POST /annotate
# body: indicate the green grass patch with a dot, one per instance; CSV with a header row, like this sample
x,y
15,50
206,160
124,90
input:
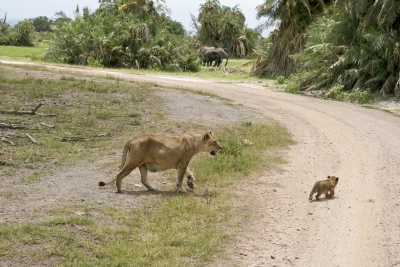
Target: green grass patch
x,y
22,52
72,108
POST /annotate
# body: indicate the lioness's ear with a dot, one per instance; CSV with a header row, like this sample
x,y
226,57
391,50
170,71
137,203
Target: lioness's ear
x,y
207,136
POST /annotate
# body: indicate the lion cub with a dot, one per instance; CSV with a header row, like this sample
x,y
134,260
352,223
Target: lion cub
x,y
326,187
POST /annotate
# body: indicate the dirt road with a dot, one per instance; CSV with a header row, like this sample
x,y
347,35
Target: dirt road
x,y
361,225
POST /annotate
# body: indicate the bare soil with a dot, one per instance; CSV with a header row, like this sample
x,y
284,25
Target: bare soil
x,y
360,226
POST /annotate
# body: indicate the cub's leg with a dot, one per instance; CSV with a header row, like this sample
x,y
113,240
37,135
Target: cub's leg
x,y
312,193
143,176
331,194
190,178
317,196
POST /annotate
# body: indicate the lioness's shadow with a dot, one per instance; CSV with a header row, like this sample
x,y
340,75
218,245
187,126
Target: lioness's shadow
x,y
164,193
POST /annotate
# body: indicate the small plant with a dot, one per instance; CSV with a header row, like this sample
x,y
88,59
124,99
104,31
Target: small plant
x,y
281,79
337,93
93,62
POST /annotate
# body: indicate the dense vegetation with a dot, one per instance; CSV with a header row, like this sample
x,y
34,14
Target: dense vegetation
x,y
131,34
348,47
21,35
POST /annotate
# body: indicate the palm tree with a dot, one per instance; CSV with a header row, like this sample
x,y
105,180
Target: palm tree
x,y
353,47
222,26
293,18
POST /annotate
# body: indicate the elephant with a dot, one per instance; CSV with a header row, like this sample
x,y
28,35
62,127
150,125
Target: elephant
x,y
217,55
204,49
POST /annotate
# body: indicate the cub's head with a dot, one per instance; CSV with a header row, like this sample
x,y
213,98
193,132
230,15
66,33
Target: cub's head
x,y
211,144
334,179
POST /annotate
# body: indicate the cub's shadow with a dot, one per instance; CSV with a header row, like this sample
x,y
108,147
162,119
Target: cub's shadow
x,y
323,199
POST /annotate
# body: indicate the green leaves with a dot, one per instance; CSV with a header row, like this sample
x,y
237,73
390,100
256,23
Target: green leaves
x,y
127,34
354,49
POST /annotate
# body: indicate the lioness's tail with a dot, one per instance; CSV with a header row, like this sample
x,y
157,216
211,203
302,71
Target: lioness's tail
x,y
104,184
124,153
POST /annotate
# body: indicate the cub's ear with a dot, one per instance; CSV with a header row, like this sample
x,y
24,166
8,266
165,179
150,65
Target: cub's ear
x,y
337,179
329,176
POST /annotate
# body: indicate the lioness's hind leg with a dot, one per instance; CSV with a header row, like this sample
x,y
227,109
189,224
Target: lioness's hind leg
x,y
121,175
143,176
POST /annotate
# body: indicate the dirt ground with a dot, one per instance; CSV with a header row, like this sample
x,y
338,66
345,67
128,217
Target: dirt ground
x,y
360,226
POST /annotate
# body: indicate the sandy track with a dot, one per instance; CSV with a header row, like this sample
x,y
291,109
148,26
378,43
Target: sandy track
x,y
361,225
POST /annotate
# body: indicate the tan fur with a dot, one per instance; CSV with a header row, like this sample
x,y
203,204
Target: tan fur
x,y
326,187
159,153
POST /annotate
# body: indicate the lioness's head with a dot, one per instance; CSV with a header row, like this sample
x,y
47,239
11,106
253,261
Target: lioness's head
x,y
211,143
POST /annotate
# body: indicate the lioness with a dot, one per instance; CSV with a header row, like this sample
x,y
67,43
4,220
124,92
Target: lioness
x,y
159,153
326,187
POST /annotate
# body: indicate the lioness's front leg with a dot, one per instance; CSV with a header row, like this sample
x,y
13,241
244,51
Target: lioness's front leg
x,y
180,174
143,176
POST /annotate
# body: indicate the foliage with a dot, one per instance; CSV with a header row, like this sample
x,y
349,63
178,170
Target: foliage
x,y
42,24
127,34
22,35
223,26
356,49
293,18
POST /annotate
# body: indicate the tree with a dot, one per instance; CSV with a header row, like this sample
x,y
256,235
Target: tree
x,y
293,18
126,34
223,26
42,24
25,30
352,50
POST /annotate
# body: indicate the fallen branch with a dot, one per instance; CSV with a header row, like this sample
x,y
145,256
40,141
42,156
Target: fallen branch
x,y
32,139
3,139
76,138
47,125
10,125
23,112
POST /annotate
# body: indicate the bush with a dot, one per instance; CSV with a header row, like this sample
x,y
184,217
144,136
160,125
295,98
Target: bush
x,y
111,38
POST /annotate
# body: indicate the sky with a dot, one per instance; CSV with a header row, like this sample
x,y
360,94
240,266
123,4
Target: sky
x,y
180,9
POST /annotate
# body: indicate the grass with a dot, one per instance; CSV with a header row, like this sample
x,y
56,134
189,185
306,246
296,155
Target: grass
x,y
171,229
22,52
75,108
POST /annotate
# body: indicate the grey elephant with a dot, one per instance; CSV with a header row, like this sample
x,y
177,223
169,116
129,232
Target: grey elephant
x,y
204,49
217,55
